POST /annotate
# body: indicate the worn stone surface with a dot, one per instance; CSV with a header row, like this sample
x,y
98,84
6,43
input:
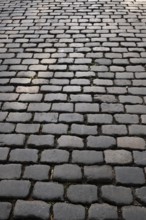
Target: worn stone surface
x,y
64,211
102,211
73,109
31,209
5,209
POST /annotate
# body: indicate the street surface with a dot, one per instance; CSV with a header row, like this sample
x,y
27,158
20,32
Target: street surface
x,y
73,109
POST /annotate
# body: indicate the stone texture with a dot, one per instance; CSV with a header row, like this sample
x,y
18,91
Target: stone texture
x,y
134,212
102,212
48,191
130,175
98,173
117,195
67,172
85,194
31,209
118,157
64,211
5,209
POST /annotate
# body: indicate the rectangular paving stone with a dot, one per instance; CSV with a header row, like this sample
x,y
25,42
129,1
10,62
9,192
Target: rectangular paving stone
x,y
139,158
83,129
70,117
12,140
36,172
48,191
102,211
40,141
14,188
19,117
67,141
100,142
82,107
131,143
99,174
133,212
62,107
126,118
55,128
118,157
99,118
87,157
8,96
117,195
10,171
31,209
54,156
5,209
14,106
67,172
45,117
4,151
137,130
65,211
7,127
130,176
84,194
27,128
114,129
23,155
30,97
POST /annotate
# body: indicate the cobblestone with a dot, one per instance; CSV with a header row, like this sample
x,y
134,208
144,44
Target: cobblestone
x,y
85,194
117,195
67,172
102,211
5,209
130,175
132,212
64,211
36,172
48,191
31,209
14,188
98,173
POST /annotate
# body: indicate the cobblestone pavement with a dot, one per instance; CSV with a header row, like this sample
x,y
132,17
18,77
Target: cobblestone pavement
x,y
73,113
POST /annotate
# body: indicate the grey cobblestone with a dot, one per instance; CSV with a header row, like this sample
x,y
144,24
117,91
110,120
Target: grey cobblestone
x,y
36,172
10,171
67,172
55,156
98,173
117,195
65,211
5,209
118,157
100,142
31,209
40,141
84,194
102,211
140,194
130,175
134,212
48,191
14,188
67,141
87,157
23,155
131,143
